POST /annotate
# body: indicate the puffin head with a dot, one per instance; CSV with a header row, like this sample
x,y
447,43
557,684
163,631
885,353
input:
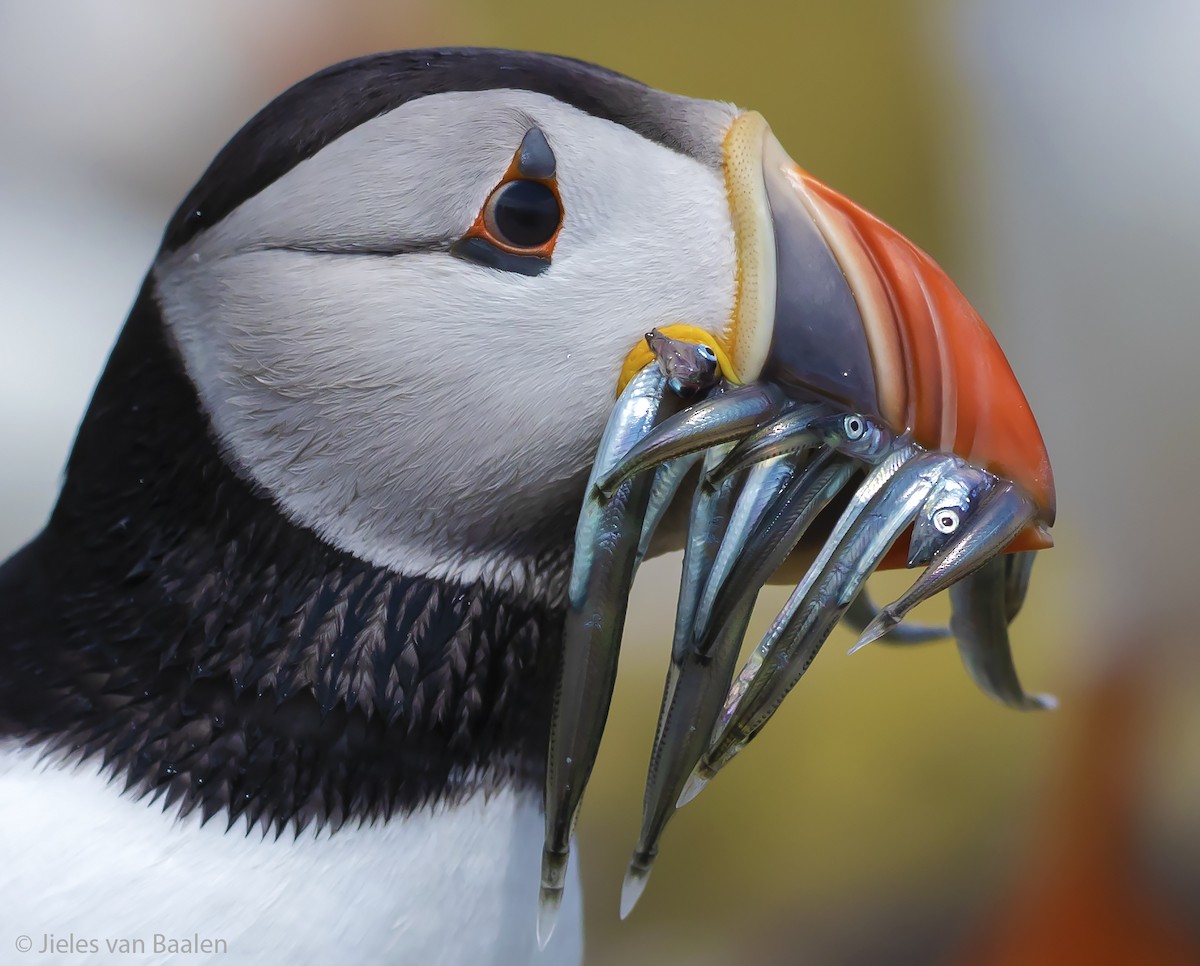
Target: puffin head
x,y
405,293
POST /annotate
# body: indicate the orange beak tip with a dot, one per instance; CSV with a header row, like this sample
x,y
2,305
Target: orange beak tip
x,y
1036,536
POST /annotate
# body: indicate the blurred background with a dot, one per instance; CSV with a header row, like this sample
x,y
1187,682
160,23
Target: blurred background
x,y
1047,155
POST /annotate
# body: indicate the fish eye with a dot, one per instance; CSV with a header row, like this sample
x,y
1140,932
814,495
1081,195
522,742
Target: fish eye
x,y
705,352
523,214
854,427
946,520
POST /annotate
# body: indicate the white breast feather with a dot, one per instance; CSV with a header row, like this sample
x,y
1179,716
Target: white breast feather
x,y
442,887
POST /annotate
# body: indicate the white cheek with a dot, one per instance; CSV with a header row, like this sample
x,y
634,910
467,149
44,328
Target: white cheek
x,y
428,414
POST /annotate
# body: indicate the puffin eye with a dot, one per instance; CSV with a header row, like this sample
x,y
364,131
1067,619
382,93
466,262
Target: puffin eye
x,y
523,214
946,520
519,223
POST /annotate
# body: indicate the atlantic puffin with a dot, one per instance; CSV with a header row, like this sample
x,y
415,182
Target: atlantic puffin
x,y
279,671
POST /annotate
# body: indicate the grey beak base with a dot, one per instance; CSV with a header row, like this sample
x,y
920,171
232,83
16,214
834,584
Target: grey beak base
x,y
819,349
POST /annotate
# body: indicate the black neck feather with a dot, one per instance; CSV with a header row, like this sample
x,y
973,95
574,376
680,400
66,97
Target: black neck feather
x,y
171,622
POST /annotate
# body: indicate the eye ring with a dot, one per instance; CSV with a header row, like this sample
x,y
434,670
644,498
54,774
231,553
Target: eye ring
x,y
946,520
522,216
518,226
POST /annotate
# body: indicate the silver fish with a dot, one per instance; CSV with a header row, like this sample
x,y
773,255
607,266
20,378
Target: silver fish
x,y
695,688
1002,513
764,483
949,505
849,439
692,703
791,432
980,623
862,611
781,529
606,540
709,519
721,417
667,480
856,435
1017,569
877,513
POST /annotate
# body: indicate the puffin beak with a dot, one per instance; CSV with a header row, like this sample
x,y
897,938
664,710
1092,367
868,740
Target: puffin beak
x,y
857,315
853,372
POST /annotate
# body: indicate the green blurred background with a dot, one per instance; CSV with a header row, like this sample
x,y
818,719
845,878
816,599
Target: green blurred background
x,y
890,813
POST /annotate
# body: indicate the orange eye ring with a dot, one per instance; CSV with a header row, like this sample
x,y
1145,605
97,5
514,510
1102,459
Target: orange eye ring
x,y
527,199
533,213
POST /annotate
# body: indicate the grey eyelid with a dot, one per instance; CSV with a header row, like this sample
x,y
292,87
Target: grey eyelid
x,y
482,252
535,159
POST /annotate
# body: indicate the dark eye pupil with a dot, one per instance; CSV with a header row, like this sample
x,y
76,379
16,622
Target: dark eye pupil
x,y
525,214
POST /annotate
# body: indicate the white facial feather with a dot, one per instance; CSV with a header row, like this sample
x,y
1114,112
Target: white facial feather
x,y
423,412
